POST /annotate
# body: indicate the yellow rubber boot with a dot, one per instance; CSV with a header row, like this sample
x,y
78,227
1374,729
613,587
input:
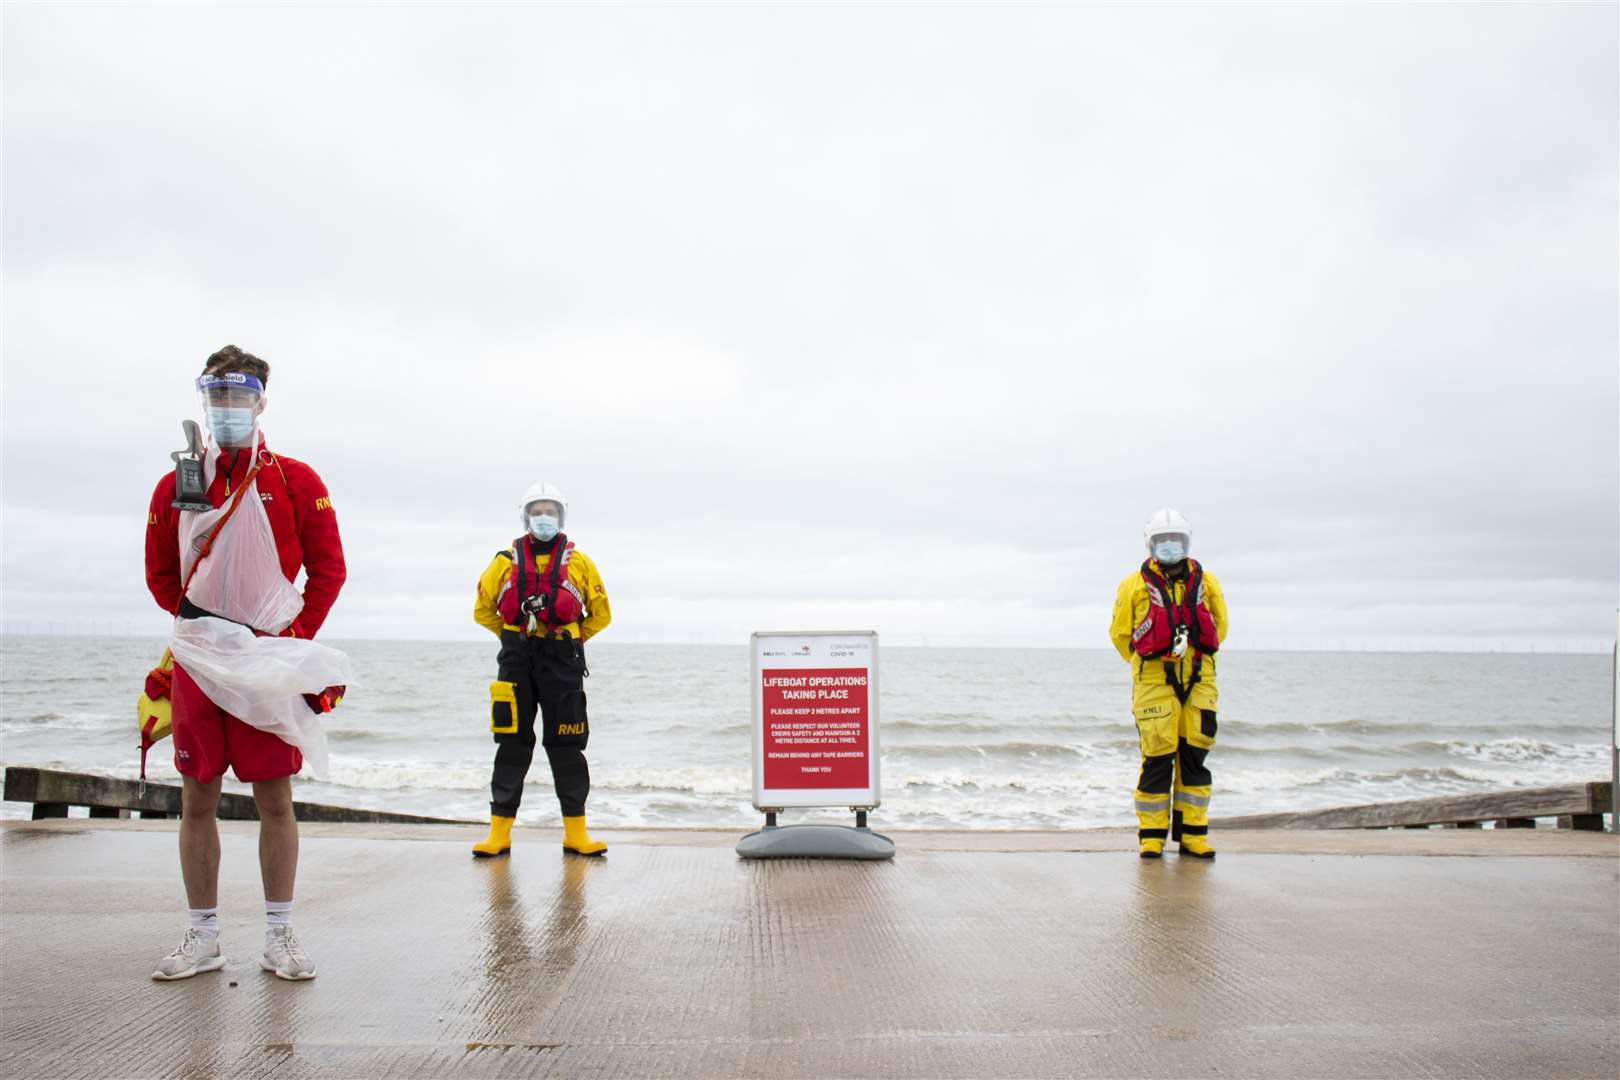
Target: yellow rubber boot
x,y
1152,849
499,840
577,840
1196,846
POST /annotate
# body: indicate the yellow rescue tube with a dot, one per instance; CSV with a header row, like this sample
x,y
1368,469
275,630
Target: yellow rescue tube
x,y
153,719
153,715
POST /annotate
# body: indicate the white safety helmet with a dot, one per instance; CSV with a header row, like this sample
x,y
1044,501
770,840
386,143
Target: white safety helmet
x,y
547,492
1167,522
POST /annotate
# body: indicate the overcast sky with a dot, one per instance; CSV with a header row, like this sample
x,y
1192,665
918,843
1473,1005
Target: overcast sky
x,y
839,316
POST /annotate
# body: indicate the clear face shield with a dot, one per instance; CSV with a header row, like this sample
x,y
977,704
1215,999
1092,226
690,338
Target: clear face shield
x,y
543,518
1169,548
231,404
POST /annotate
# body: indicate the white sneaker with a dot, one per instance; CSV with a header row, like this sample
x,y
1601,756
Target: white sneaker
x,y
284,956
198,952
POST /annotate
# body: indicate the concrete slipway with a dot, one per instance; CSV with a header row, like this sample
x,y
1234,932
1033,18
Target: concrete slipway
x,y
1457,953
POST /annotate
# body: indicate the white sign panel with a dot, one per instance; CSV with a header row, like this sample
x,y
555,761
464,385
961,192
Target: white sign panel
x,y
815,702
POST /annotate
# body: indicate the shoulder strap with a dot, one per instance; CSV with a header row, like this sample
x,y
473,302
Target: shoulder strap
x,y
523,556
559,561
1158,587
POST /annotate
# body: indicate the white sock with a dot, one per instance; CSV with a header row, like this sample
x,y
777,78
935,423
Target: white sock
x,y
205,920
277,913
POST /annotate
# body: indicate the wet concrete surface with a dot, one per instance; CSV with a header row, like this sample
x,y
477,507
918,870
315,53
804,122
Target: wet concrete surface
x,y
671,957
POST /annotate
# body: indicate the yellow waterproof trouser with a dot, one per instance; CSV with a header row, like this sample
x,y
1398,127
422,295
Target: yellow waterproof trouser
x,y
1176,738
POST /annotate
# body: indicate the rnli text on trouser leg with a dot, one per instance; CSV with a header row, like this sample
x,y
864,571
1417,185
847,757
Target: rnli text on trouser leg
x,y
1155,711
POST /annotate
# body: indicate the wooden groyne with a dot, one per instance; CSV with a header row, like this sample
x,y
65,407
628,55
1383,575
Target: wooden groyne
x,y
52,792
1576,806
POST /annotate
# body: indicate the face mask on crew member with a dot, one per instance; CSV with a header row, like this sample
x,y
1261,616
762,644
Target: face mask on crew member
x,y
230,426
1169,550
543,527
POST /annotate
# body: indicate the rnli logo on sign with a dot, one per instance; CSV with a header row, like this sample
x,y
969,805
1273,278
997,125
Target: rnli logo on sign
x,y
802,650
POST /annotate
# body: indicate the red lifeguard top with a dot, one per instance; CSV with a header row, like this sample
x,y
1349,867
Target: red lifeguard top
x,y
301,518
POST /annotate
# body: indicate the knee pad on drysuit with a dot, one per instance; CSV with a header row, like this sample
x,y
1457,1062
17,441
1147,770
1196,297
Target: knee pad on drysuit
x,y
1194,773
1156,774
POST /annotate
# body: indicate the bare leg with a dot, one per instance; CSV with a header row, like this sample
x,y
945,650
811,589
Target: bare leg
x,y
199,841
278,837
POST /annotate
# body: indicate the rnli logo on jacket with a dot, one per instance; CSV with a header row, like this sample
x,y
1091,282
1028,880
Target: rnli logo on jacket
x,y
323,503
570,729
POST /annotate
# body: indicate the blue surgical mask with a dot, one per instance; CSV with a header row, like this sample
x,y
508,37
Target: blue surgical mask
x,y
231,426
1169,552
543,527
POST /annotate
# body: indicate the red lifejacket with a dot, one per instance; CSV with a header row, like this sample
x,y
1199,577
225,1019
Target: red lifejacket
x,y
559,601
1156,634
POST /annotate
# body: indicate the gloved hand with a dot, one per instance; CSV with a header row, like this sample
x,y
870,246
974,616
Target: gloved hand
x,y
326,700
157,683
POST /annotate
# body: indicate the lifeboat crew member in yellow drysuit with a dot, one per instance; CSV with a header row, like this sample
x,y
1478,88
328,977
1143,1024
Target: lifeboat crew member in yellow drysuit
x,y
1169,620
544,600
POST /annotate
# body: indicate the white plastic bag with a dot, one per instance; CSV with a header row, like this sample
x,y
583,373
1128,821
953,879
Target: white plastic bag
x,y
262,680
259,680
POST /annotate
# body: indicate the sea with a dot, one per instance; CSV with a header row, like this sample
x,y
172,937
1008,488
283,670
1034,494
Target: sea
x,y
981,738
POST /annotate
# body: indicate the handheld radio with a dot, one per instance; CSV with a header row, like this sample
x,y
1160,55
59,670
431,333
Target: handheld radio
x,y
190,493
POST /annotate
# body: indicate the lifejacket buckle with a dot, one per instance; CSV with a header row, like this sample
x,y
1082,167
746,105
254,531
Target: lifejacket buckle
x,y
1178,645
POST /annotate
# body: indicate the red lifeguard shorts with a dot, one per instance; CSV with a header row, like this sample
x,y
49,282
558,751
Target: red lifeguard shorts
x,y
207,739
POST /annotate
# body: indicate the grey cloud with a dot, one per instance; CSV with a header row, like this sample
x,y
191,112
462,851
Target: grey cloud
x,y
877,307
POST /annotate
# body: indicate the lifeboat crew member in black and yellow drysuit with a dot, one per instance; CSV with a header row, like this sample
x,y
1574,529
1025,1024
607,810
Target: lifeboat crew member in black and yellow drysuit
x,y
1169,620
544,600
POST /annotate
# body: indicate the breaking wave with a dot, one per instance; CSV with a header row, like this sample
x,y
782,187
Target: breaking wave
x,y
965,744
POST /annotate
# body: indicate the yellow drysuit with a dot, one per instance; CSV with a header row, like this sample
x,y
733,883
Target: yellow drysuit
x,y
1176,735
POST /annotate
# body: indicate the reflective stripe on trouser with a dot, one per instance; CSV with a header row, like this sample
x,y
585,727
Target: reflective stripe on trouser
x,y
1193,787
1192,800
1153,797
1176,739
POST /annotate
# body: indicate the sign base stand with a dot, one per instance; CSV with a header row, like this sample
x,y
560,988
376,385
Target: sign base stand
x,y
816,841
